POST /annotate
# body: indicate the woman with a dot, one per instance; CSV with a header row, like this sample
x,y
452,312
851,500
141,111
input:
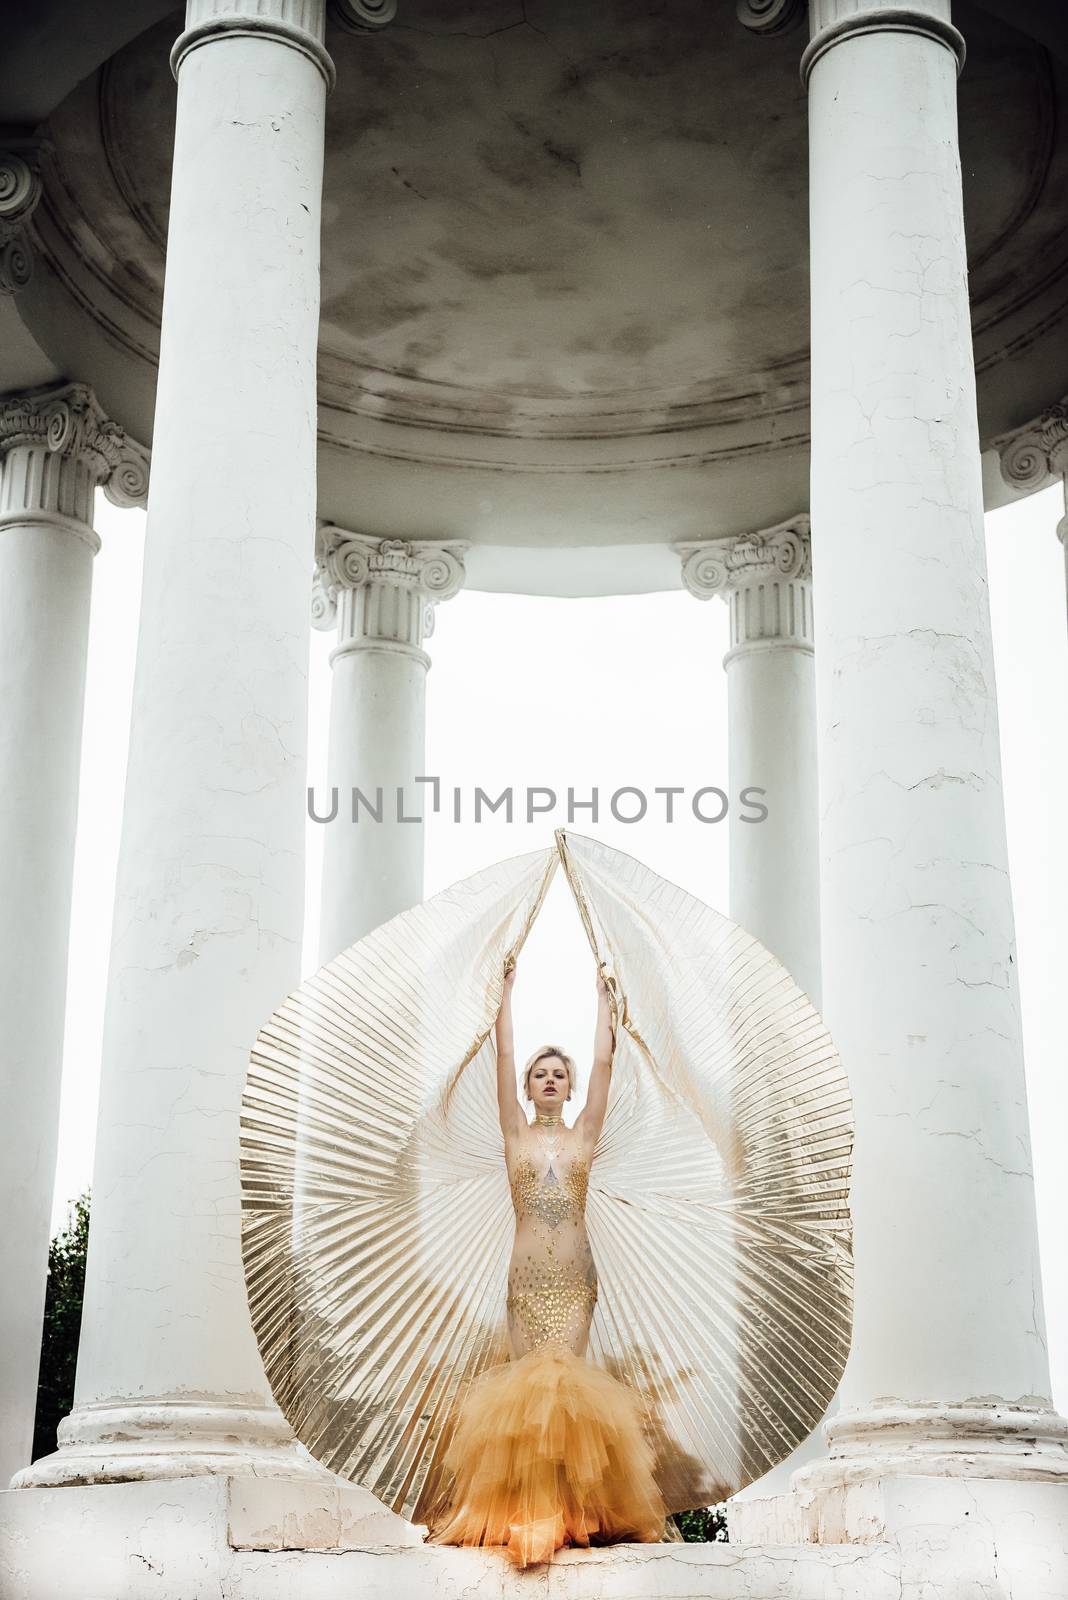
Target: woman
x,y
549,1449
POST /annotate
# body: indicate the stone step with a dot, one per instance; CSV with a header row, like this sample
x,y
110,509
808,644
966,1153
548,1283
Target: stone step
x,y
247,1538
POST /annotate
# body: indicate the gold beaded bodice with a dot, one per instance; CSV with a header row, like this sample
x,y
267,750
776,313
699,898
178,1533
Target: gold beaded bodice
x,y
552,1281
552,1200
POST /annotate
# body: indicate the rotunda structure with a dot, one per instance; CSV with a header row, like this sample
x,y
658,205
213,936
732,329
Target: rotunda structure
x,y
371,301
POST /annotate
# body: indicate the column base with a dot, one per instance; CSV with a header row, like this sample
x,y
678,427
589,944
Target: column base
x,y
125,1443
952,1439
211,1537
896,1467
950,1538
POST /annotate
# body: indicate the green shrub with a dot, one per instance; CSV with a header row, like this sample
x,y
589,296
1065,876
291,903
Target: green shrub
x,y
62,1320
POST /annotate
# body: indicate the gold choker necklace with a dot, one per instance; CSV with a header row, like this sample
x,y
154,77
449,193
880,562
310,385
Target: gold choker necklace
x,y
546,1121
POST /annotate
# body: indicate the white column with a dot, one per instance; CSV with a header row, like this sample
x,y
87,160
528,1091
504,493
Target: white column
x,y
766,580
381,595
210,894
1038,453
56,447
948,1374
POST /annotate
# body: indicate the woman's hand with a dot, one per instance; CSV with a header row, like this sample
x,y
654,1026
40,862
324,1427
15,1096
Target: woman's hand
x,y
603,996
509,977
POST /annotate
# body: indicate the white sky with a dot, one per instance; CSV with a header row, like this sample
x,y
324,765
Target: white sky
x,y
602,693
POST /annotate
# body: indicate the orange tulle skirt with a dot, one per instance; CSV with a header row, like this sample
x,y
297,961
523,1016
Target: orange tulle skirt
x,y
548,1450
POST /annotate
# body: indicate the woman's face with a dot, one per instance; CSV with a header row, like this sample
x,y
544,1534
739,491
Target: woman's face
x,y
548,1084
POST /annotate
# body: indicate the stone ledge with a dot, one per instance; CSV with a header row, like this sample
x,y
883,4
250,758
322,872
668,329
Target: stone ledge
x,y
248,1538
301,1514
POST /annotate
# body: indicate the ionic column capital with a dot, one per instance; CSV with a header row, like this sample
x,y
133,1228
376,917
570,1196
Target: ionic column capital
x,y
764,578
833,21
298,24
68,420
1038,451
20,190
363,16
770,16
711,566
56,446
381,593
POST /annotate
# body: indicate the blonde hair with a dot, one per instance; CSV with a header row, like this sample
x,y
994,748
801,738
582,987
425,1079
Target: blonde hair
x,y
540,1055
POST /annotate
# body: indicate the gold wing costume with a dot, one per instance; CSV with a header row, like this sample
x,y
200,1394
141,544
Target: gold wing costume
x,y
377,1217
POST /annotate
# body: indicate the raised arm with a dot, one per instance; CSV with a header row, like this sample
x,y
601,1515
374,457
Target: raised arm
x,y
511,1112
590,1118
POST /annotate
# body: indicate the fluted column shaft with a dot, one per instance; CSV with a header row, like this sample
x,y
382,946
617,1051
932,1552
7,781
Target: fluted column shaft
x,y
56,446
210,891
949,1369
765,578
381,595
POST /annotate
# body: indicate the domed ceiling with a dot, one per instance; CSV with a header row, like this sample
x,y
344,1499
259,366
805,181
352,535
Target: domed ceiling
x,y
564,261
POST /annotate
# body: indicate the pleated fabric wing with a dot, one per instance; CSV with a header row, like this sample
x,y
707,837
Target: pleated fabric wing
x,y
376,1216
718,1210
377,1220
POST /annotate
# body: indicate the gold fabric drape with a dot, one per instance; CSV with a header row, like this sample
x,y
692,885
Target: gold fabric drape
x,y
377,1220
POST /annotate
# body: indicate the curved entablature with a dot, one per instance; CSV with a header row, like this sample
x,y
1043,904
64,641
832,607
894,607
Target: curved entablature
x,y
564,283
